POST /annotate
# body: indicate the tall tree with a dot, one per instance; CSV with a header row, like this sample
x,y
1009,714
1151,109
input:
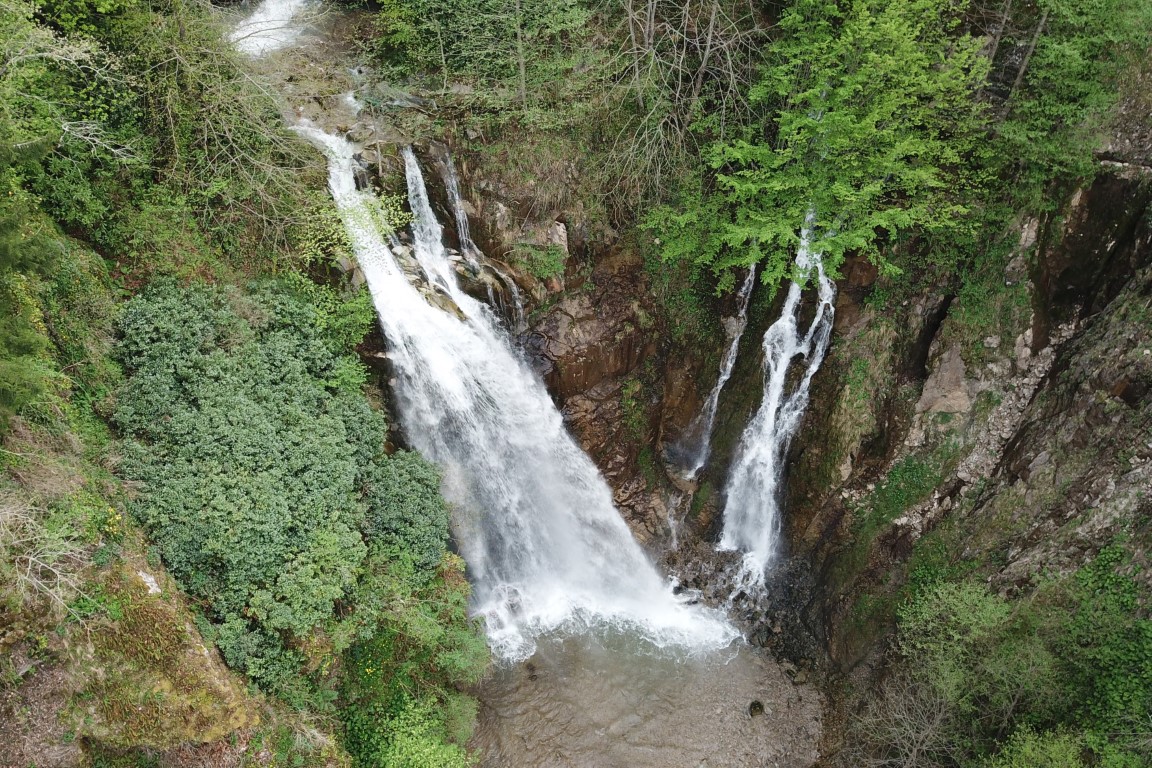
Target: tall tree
x,y
874,106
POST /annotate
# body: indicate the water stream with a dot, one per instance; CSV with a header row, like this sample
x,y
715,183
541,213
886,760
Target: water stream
x,y
469,249
752,518
275,24
696,446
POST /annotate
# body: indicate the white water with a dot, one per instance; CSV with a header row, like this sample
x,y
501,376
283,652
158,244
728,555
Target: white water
x,y
545,548
452,186
468,248
272,26
696,447
752,511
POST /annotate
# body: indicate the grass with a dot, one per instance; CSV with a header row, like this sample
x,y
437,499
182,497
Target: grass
x,y
910,481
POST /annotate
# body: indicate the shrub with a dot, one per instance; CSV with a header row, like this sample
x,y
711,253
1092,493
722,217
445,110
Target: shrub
x,y
1028,749
253,464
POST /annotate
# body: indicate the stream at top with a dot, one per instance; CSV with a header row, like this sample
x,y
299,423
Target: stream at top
x,y
603,661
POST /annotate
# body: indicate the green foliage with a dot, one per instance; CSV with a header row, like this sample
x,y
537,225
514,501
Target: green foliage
x,y
526,46
1107,646
1065,672
414,739
873,108
86,16
254,460
634,408
138,129
909,481
947,630
405,510
542,262
1051,122
1028,749
684,292
399,693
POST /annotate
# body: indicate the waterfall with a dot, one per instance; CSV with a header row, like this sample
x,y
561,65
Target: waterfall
x,y
546,550
468,248
752,510
270,27
452,186
694,449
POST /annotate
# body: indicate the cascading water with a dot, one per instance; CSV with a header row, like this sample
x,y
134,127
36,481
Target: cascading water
x,y
752,510
545,548
694,449
469,249
272,26
456,202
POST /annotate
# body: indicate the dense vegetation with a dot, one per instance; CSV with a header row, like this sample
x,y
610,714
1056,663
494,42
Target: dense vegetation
x,y
138,156
909,130
1060,677
265,487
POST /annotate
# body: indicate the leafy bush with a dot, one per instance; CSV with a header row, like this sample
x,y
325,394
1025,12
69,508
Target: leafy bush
x,y
399,695
1028,749
541,262
1049,679
1104,641
405,510
260,471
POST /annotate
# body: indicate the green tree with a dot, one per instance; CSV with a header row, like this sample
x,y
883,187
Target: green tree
x,y
1060,92
871,109
872,99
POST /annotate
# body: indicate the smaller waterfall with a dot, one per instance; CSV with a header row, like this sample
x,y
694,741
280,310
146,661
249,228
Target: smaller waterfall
x,y
696,446
470,251
752,511
426,230
272,26
452,186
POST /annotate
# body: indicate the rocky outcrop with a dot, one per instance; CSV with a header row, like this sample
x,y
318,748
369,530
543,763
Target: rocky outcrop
x,y
1034,420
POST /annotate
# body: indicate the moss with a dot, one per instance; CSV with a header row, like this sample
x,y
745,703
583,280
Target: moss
x,y
151,682
851,410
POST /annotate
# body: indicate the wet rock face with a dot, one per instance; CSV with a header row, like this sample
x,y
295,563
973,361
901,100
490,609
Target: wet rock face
x,y
1040,429
589,338
591,346
1090,252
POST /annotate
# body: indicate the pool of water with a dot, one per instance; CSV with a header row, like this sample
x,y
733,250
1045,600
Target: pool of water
x,y
608,703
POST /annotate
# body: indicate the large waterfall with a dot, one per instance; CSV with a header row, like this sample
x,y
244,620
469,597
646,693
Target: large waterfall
x,y
752,510
696,445
545,548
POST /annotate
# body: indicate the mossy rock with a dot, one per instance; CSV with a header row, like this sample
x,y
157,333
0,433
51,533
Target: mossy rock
x,y
150,680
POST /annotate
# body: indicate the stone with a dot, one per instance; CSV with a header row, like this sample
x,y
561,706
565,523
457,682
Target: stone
x,y
149,581
558,236
946,390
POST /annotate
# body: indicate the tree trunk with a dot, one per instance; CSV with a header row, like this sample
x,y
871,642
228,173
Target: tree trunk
x,y
1024,64
520,54
1004,14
